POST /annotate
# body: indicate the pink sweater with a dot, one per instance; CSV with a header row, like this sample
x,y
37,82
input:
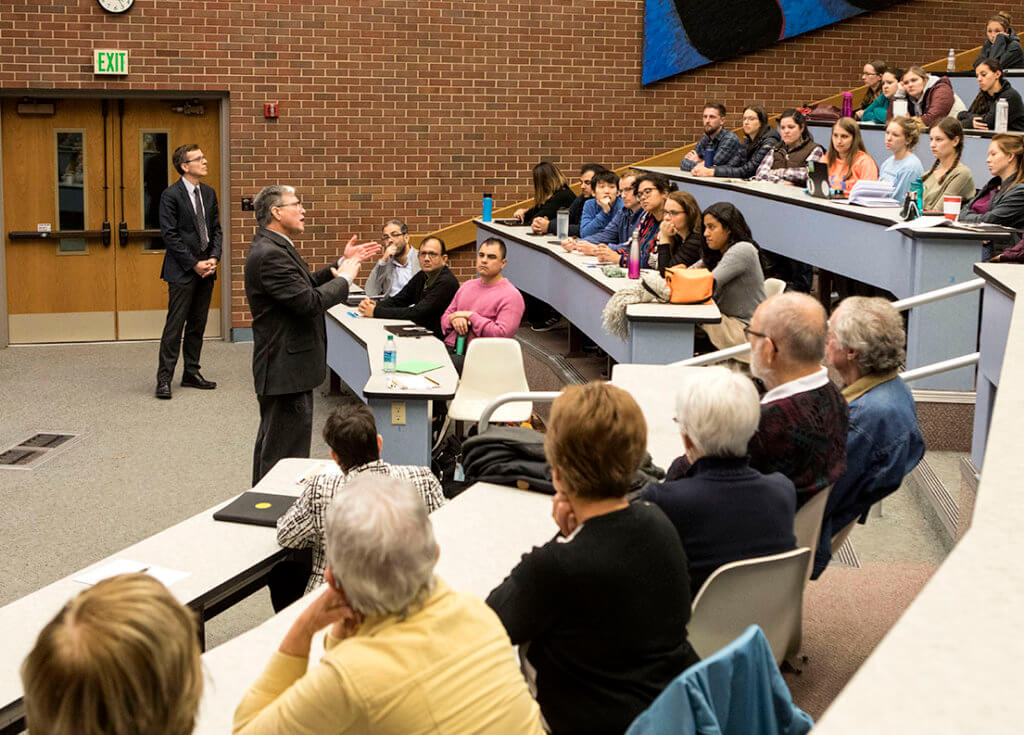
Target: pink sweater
x,y
497,310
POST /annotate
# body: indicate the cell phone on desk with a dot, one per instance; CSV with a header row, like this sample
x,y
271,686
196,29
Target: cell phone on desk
x,y
510,222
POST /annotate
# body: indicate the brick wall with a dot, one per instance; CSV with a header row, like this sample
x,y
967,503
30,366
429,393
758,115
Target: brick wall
x,y
414,109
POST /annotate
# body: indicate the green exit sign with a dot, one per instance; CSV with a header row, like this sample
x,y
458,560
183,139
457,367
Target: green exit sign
x,y
107,61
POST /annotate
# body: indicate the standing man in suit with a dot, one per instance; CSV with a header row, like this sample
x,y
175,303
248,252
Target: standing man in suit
x,y
287,302
190,225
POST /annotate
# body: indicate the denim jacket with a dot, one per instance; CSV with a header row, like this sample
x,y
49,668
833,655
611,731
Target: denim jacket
x,y
882,446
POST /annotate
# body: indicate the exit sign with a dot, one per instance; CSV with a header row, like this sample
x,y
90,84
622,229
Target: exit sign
x,y
107,61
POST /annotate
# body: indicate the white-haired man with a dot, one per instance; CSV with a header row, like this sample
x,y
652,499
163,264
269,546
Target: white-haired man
x,y
723,509
404,652
865,349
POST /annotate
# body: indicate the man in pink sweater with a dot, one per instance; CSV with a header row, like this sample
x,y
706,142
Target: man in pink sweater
x,y
488,306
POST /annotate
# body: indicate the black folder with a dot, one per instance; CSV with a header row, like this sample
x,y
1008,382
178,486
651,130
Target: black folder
x,y
256,509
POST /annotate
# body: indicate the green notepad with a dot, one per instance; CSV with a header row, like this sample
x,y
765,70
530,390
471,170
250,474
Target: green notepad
x,y
415,367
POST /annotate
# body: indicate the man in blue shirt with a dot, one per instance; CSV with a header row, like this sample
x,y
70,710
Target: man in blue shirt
x,y
865,350
623,222
718,147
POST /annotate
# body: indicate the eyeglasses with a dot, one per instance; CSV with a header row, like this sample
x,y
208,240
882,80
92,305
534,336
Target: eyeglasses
x,y
643,194
428,254
674,212
193,160
747,332
289,204
393,237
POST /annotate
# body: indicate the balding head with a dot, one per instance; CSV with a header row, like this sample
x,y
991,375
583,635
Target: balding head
x,y
795,329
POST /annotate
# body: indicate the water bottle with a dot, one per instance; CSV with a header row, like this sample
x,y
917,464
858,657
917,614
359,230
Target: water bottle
x,y
390,354
847,104
488,207
951,61
917,189
899,106
562,226
1002,115
634,255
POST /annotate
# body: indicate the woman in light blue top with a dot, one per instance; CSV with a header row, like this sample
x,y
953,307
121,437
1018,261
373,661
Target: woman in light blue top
x,y
902,168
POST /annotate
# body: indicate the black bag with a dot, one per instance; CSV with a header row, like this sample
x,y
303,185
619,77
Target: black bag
x,y
443,462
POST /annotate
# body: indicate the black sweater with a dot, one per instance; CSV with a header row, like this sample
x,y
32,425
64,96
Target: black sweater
x,y
561,198
1015,118
605,614
680,252
424,306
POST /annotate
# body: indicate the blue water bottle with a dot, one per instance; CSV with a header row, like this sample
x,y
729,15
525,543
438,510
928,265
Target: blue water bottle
x,y
488,207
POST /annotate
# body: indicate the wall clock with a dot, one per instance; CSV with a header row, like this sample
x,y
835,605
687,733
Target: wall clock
x,y
116,6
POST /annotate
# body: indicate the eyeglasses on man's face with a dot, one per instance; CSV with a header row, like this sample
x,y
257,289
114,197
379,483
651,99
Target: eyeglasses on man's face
x,y
289,204
193,160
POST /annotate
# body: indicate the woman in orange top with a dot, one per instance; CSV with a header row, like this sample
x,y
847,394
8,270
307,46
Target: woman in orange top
x,y
848,159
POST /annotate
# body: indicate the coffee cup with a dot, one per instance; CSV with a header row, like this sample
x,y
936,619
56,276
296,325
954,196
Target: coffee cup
x,y
951,207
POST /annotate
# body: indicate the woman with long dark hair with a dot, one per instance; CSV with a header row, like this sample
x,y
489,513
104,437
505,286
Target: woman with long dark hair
x,y
787,162
872,76
992,87
948,175
848,159
759,138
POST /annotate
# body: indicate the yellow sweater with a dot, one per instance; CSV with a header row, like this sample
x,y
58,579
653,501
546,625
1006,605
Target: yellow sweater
x,y
447,668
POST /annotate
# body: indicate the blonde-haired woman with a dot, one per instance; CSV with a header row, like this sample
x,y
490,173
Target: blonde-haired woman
x,y
902,168
121,658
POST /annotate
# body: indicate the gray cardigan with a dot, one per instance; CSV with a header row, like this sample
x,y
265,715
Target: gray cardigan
x,y
739,281
378,283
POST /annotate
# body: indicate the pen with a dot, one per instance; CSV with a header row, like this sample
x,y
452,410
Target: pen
x,y
352,313
433,381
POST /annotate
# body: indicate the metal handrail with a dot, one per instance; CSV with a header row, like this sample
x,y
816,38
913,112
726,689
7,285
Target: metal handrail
x,y
539,396
926,371
910,302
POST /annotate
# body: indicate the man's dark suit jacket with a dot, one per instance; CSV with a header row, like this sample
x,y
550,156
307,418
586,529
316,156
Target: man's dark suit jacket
x,y
181,238
287,304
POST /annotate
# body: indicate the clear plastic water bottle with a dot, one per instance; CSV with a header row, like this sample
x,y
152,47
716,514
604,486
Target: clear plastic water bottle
x,y
488,208
390,354
562,224
899,106
847,104
1002,115
634,256
951,60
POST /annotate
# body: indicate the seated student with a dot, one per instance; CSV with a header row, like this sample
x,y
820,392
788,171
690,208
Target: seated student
x,y
948,175
426,296
880,109
488,306
848,159
351,433
719,147
621,226
551,192
587,173
787,162
1001,43
600,210
902,168
733,258
681,234
872,76
723,509
1001,200
758,139
404,653
398,263
884,443
652,191
929,96
804,418
992,87
601,609
121,658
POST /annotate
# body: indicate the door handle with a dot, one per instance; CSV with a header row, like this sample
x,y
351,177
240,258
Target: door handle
x,y
122,234
141,233
54,235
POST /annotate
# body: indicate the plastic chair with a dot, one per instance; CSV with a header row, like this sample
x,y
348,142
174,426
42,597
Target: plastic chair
x,y
807,523
493,366
767,591
840,538
773,286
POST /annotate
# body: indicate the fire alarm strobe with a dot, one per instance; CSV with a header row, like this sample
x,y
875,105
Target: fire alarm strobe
x,y
270,110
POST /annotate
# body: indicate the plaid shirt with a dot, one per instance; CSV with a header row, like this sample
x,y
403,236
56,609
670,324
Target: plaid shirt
x,y
303,525
729,151
796,175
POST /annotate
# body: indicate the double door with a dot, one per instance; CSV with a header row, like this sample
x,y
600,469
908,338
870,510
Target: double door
x,y
82,180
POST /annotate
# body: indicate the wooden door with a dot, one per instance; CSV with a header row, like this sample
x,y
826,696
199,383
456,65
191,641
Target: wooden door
x,y
59,288
82,184
148,133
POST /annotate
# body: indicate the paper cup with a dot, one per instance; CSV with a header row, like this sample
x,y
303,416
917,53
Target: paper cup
x,y
951,207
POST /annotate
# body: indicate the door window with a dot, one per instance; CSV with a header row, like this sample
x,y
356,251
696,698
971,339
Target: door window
x,y
71,189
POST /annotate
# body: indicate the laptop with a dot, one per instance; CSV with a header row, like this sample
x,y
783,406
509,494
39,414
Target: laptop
x,y
255,509
817,182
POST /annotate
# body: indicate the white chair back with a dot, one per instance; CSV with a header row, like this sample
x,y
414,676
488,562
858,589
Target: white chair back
x,y
494,365
807,524
767,590
773,286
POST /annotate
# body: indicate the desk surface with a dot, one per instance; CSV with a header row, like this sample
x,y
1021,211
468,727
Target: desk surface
x,y
373,335
482,534
212,552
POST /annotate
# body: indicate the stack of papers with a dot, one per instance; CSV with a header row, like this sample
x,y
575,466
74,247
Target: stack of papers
x,y
872,194
126,566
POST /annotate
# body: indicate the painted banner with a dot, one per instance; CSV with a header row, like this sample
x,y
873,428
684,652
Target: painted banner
x,y
684,34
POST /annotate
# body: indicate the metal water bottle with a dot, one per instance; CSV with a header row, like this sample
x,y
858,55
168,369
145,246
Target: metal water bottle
x,y
634,255
951,61
847,104
1002,115
488,208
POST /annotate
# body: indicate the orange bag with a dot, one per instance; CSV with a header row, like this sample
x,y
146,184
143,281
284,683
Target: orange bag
x,y
689,285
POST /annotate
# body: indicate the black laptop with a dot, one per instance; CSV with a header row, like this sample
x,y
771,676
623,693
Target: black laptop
x,y
256,509
817,181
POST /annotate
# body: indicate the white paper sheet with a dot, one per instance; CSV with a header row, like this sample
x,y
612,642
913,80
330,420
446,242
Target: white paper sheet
x,y
127,566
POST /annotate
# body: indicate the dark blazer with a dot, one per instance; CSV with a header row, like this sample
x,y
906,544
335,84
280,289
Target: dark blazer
x,y
181,238
419,304
287,304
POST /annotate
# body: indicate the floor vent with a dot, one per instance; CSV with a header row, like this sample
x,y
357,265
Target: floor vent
x,y
846,556
36,449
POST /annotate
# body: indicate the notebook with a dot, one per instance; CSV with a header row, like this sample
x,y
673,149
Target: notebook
x,y
415,367
256,509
